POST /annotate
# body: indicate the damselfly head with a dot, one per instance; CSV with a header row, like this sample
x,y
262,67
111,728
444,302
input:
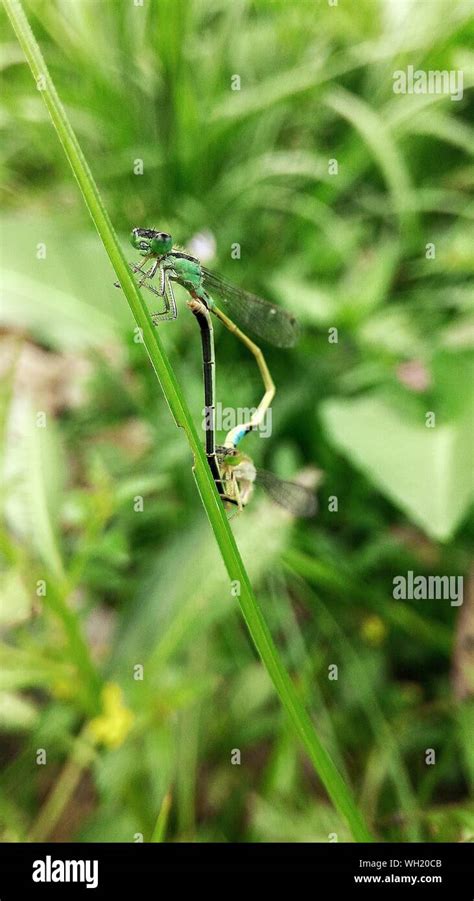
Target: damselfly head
x,y
227,454
237,474
161,243
232,457
149,241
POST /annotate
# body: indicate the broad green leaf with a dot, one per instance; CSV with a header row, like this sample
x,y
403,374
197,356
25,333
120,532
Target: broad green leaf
x,y
59,318
44,292
16,713
426,472
34,475
15,601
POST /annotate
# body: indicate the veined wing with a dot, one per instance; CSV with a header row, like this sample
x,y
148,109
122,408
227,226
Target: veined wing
x,y
261,317
293,497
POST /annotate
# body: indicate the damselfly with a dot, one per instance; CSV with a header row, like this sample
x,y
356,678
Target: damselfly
x,y
264,319
234,472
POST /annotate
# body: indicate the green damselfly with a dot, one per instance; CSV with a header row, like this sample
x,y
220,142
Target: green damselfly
x,y
263,319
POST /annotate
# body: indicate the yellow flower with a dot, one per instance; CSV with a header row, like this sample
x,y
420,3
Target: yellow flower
x,y
113,725
374,630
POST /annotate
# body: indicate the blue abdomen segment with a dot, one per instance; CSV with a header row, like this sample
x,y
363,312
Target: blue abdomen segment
x,y
239,434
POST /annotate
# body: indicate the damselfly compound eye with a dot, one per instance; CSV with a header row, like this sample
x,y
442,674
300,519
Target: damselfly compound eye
x,y
161,243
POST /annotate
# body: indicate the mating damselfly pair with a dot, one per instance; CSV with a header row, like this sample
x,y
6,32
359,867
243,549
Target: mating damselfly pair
x,y
234,472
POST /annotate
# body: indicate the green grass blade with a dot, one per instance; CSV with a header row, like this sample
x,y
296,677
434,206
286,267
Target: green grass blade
x,y
159,831
336,788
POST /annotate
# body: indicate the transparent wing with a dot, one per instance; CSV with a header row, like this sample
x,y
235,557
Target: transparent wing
x,y
293,497
261,317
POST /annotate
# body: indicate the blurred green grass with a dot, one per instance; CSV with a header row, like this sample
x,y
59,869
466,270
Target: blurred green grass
x,y
343,251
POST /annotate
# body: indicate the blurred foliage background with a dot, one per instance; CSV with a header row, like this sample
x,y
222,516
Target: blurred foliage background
x,y
92,587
